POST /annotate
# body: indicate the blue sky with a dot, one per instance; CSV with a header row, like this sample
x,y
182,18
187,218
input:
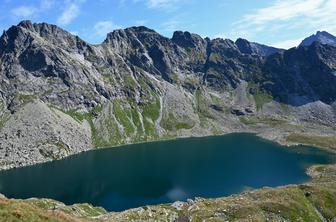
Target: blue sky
x,y
281,23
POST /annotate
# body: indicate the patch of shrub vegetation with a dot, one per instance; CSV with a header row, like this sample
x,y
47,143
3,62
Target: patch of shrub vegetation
x,y
261,97
171,123
248,121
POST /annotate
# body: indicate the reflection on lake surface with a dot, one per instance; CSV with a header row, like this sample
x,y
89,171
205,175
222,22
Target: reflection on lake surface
x,y
160,172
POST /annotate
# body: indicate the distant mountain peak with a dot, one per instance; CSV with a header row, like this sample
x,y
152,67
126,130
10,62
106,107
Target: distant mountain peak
x,y
128,32
323,33
255,48
23,35
322,37
43,29
26,24
186,39
141,29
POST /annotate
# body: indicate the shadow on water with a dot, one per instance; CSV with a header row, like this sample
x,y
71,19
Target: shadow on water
x,y
161,172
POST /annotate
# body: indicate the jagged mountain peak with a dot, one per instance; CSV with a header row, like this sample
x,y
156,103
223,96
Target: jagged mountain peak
x,y
26,24
321,36
248,47
134,31
323,33
27,32
187,39
42,28
141,29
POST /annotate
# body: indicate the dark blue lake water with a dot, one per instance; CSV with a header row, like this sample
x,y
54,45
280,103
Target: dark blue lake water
x,y
160,172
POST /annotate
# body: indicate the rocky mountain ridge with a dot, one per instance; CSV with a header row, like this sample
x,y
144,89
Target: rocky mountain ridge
x,y
320,36
255,48
140,86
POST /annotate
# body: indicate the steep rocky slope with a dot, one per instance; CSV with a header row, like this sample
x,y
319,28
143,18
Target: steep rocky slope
x,y
139,86
314,201
37,131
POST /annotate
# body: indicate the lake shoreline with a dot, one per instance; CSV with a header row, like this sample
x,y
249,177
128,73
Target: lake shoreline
x,y
276,135
290,197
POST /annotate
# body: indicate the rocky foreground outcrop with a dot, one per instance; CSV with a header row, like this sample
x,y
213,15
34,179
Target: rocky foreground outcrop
x,y
60,95
313,201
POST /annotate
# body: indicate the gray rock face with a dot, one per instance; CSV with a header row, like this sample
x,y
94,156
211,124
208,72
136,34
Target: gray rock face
x,y
305,71
321,37
140,86
255,48
37,133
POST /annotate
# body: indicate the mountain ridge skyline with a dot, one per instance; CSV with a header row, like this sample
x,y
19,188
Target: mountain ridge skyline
x,y
144,27
282,24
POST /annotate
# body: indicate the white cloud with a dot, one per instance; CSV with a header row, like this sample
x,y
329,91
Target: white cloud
x,y
101,28
283,17
46,4
171,25
69,14
284,10
168,5
29,11
24,11
175,23
161,3
287,43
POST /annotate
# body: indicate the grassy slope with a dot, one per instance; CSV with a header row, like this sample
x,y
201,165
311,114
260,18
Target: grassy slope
x,y
320,141
13,211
